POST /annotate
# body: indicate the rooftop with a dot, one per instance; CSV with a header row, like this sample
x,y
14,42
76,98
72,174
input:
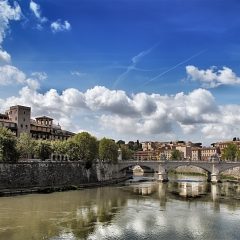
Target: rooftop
x,y
44,117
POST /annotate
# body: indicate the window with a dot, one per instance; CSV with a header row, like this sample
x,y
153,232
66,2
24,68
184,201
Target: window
x,y
26,126
15,118
24,112
24,119
21,126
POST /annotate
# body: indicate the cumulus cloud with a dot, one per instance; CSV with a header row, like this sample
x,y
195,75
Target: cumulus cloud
x,y
4,56
220,131
7,13
40,75
10,75
139,114
213,77
196,107
36,9
59,26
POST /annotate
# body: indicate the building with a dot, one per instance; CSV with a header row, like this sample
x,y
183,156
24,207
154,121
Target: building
x,y
196,154
146,156
18,120
165,152
223,145
186,150
148,146
5,122
208,152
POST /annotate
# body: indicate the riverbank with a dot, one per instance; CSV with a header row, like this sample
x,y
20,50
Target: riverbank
x,y
45,177
51,189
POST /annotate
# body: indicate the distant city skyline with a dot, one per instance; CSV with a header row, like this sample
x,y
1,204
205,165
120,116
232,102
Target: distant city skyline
x,y
147,70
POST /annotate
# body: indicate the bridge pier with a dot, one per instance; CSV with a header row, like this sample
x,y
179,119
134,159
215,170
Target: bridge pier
x,y
162,174
215,177
162,177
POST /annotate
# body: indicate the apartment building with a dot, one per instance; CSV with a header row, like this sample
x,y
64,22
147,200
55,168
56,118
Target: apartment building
x,y
186,150
224,144
148,146
18,120
144,155
208,152
196,154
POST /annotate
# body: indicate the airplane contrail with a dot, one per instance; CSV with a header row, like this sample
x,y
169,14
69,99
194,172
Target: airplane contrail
x,y
133,64
174,67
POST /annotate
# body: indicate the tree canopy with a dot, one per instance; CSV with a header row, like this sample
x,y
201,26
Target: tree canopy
x,y
25,146
108,150
176,155
231,152
83,146
126,153
43,149
8,152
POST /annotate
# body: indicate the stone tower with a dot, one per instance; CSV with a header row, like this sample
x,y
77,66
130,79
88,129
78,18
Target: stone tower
x,y
21,115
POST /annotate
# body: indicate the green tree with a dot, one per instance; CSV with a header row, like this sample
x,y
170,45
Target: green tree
x,y
120,143
131,145
176,155
25,146
83,146
126,153
59,147
43,149
108,150
8,151
231,152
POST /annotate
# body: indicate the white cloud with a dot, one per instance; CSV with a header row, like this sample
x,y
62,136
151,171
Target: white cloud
x,y
4,56
10,75
220,131
59,26
35,8
116,113
40,75
78,74
213,77
7,13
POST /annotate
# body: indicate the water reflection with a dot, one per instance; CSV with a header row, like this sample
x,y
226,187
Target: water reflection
x,y
174,210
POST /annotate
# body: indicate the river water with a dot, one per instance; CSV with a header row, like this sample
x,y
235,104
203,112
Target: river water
x,y
184,208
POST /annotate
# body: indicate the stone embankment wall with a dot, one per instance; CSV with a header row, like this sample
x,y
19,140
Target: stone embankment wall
x,y
49,174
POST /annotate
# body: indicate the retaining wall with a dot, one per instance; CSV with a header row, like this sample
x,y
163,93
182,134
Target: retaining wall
x,y
43,174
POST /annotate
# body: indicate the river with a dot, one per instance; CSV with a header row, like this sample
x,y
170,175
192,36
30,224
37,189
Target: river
x,y
183,208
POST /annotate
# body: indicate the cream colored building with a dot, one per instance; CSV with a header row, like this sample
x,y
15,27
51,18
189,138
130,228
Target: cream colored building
x,y
186,150
148,146
208,152
196,154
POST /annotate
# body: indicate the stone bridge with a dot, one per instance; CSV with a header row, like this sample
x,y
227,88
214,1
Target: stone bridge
x,y
213,168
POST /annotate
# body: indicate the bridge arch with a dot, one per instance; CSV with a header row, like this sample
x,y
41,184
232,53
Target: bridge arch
x,y
228,166
144,166
206,168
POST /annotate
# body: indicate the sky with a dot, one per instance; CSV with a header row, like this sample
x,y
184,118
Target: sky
x,y
156,70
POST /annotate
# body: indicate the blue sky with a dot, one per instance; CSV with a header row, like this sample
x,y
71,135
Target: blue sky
x,y
163,47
